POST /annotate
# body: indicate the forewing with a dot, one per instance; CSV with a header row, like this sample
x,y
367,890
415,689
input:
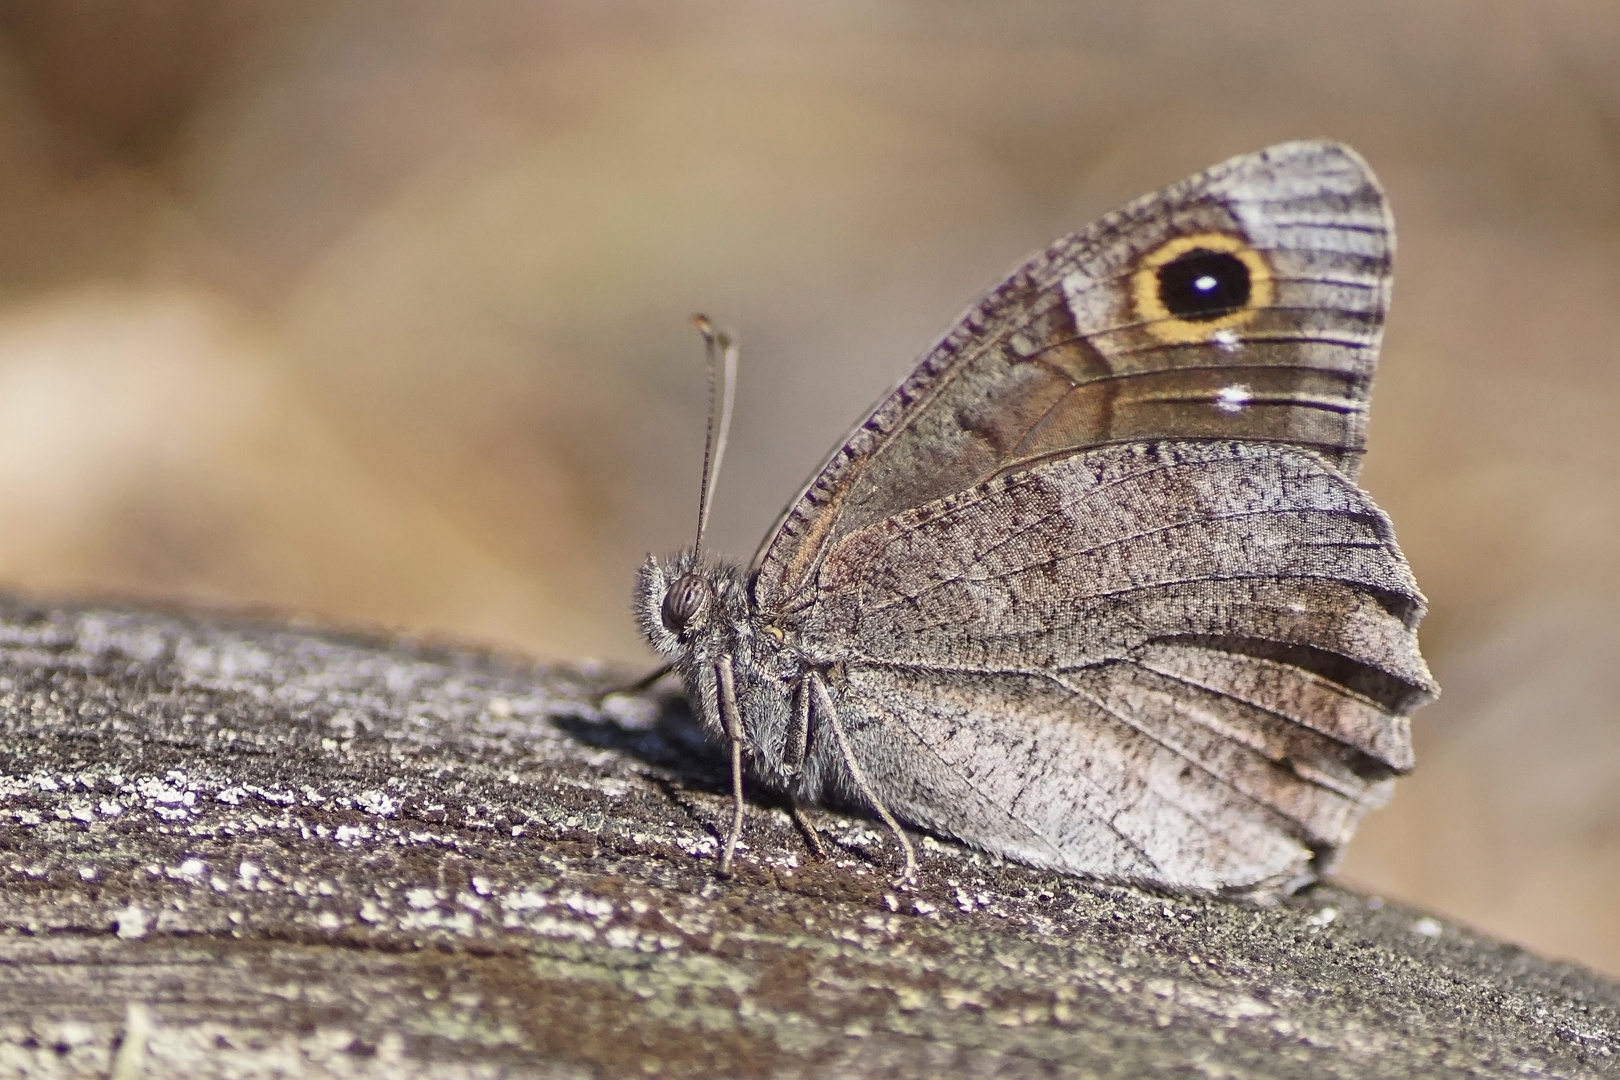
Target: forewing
x,y
1206,651
1107,338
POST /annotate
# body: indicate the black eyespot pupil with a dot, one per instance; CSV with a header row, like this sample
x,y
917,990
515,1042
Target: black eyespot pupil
x,y
1202,285
683,601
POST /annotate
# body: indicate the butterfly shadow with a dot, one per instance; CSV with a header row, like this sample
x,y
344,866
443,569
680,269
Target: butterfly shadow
x,y
682,761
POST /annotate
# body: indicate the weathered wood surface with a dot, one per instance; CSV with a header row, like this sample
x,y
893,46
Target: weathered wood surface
x,y
245,850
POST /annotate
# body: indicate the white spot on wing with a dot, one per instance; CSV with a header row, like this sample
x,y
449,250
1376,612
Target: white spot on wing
x,y
1233,398
1225,340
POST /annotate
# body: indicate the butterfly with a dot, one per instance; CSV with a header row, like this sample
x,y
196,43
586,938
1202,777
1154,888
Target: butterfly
x,y
1094,588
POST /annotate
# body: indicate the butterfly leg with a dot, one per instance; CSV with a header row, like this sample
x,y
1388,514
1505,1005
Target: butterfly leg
x,y
807,828
826,711
640,686
731,722
797,744
794,749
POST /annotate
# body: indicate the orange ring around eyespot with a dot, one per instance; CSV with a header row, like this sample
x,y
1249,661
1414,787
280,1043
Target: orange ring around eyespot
x,y
1164,325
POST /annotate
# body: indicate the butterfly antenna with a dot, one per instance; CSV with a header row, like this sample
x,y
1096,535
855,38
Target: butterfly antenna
x,y
722,352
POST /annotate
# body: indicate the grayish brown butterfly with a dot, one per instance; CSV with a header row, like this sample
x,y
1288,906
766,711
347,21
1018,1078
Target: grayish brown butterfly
x,y
1094,588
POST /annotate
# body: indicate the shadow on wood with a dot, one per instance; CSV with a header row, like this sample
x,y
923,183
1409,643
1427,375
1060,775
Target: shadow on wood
x,y
244,849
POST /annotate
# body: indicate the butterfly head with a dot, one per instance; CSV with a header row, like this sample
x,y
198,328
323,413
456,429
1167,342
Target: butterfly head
x,y
687,605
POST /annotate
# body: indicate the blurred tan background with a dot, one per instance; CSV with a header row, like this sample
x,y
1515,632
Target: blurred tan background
x,y
377,311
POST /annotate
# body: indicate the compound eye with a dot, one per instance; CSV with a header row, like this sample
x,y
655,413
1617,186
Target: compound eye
x,y
684,602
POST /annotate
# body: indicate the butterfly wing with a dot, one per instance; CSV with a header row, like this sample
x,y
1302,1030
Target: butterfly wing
x,y
1094,586
1179,662
1244,303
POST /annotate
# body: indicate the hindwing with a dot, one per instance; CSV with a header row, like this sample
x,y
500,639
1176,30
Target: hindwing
x,y
1180,662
